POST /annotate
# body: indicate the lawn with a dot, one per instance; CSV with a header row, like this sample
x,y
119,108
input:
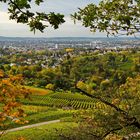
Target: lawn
x,y
45,132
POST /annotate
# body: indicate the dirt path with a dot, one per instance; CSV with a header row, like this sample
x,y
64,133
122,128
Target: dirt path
x,y
29,126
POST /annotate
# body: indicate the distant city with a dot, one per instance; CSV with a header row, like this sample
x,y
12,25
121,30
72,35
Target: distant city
x,y
68,42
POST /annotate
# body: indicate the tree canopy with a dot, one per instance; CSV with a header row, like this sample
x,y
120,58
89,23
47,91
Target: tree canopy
x,y
111,16
11,90
21,11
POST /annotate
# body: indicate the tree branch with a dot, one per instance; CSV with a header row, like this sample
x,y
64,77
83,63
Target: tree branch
x,y
113,130
17,7
103,101
129,119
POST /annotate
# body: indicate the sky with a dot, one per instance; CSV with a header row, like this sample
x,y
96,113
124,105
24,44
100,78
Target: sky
x,y
10,28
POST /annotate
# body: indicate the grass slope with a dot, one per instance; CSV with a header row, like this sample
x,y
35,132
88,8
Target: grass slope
x,y
46,132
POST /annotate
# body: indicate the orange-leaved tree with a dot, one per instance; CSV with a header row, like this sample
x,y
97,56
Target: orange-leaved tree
x,y
11,90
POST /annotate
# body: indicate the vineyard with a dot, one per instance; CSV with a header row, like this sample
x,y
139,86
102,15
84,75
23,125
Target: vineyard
x,y
40,108
64,100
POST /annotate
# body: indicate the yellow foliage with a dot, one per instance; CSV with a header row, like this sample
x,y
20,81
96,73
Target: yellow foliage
x,y
1,73
38,91
69,50
129,94
96,79
10,90
81,85
114,137
89,89
21,138
86,87
50,86
116,101
105,83
131,87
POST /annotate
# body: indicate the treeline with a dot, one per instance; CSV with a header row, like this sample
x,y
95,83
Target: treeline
x,y
100,70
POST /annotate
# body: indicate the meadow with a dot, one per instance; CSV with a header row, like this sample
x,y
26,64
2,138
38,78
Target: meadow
x,y
46,132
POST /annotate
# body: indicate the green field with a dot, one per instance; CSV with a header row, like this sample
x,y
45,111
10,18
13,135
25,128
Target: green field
x,y
46,132
40,114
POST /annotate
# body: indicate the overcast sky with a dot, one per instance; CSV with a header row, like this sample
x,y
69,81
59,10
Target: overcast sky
x,y
68,29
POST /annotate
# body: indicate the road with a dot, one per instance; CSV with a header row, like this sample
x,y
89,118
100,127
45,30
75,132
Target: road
x,y
29,126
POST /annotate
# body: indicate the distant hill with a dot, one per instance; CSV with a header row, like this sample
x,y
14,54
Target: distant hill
x,y
65,39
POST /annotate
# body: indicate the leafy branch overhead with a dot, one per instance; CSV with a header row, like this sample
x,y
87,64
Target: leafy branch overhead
x,y
20,10
111,16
